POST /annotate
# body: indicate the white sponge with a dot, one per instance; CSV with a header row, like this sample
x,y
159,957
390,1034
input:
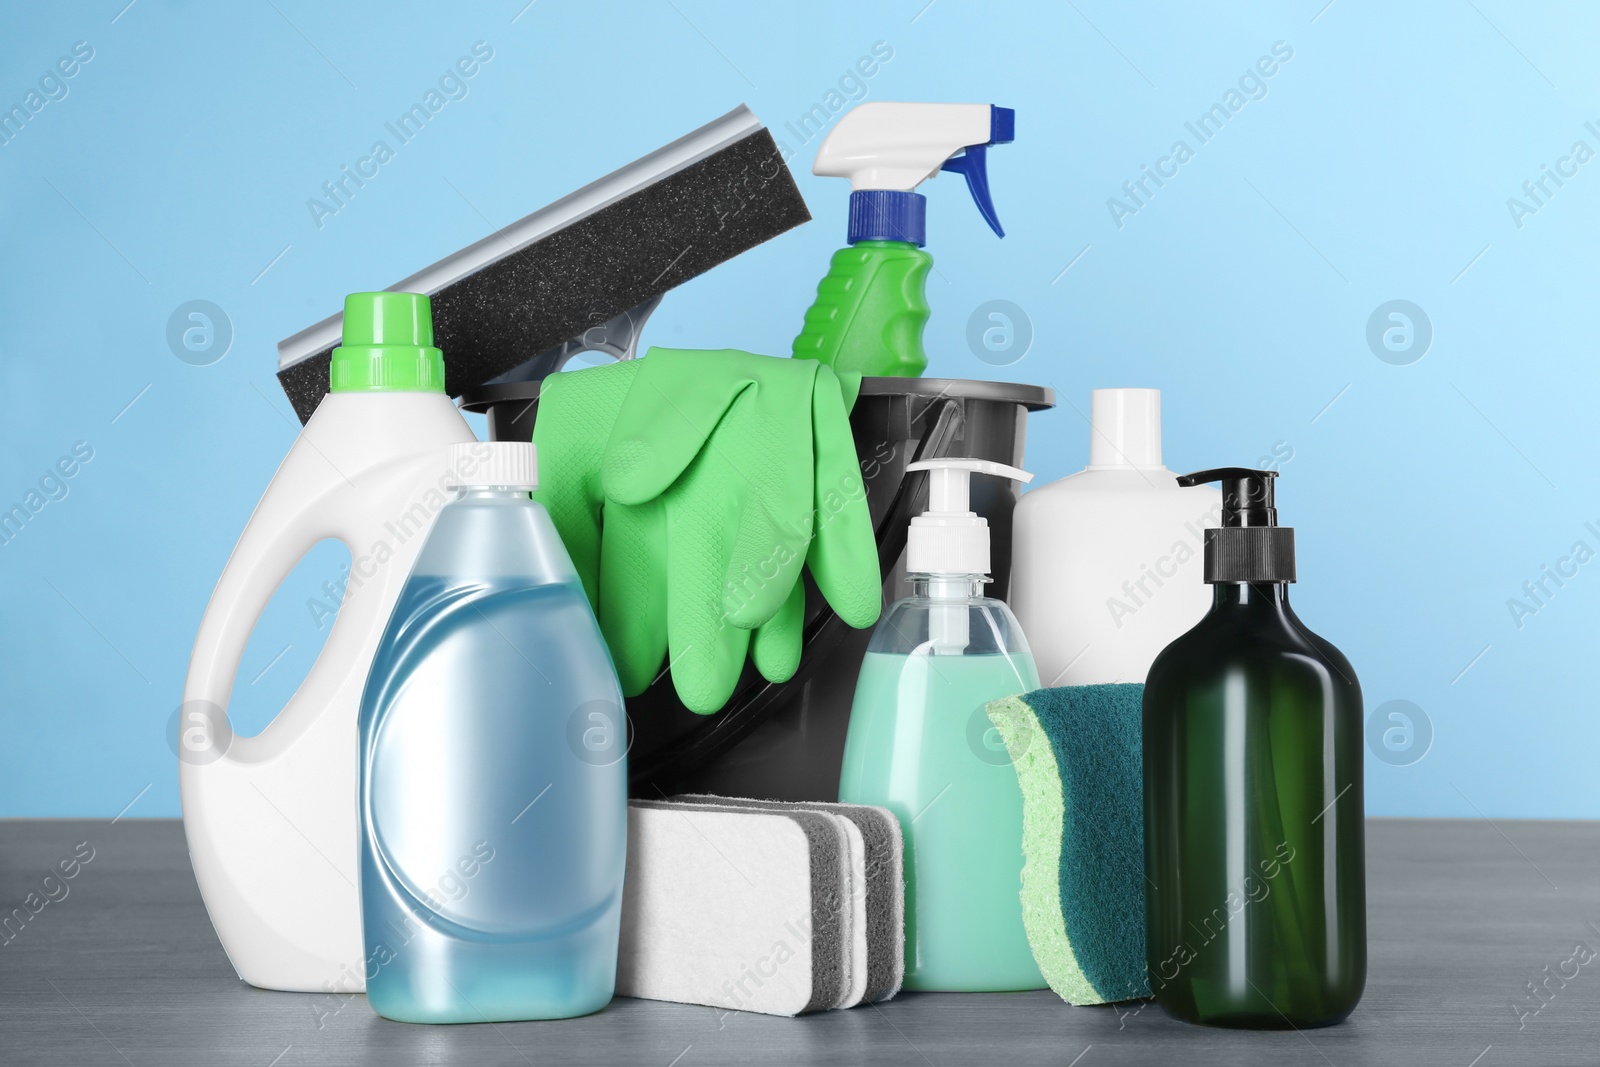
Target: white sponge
x,y
759,906
879,895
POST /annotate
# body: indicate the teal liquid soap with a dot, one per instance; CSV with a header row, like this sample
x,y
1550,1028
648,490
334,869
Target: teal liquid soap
x,y
920,744
493,781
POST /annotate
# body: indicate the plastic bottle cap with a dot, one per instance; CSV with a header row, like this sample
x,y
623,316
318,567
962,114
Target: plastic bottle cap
x,y
387,346
888,215
512,464
949,538
1125,428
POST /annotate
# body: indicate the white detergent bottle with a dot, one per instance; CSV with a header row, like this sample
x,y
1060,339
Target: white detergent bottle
x,y
271,819
1106,563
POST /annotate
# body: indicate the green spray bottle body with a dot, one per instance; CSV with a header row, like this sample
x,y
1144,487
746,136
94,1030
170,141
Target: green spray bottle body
x,y
872,304
870,311
1254,810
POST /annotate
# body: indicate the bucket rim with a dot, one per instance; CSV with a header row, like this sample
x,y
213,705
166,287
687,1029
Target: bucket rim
x,y
1033,397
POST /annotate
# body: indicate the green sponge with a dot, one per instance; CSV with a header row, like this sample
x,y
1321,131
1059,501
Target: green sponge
x,y
1076,750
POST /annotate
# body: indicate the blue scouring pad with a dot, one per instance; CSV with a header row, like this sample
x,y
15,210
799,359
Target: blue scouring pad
x,y
1076,750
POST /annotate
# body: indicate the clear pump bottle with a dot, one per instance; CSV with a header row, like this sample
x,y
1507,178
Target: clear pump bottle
x,y
920,743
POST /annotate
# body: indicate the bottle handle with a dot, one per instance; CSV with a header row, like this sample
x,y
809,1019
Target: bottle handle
x,y
308,500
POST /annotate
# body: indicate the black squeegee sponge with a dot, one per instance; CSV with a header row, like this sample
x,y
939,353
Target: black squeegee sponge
x,y
597,267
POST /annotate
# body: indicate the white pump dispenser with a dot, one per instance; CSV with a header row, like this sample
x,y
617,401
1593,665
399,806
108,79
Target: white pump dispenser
x,y
949,543
950,538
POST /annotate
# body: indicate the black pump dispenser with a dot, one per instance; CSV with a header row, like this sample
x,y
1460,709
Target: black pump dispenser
x,y
1253,747
1250,546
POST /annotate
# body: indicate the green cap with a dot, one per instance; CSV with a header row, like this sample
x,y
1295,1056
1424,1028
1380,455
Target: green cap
x,y
387,346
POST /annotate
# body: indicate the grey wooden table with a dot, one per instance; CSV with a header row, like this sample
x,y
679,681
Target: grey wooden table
x,y
125,969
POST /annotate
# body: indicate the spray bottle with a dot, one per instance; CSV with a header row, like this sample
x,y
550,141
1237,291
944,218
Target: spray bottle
x,y
872,305
919,744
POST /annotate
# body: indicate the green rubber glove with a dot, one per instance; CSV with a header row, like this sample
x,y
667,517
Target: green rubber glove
x,y
689,488
753,461
616,549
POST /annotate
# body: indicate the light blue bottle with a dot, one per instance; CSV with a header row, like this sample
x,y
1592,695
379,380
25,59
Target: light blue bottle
x,y
493,788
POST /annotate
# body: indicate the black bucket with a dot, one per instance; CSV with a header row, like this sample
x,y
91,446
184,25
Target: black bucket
x,y
785,740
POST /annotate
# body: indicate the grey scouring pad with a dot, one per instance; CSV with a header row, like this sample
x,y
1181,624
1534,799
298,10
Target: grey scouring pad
x,y
591,256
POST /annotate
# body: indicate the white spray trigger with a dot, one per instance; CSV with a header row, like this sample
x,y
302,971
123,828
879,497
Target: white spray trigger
x,y
888,149
883,145
949,538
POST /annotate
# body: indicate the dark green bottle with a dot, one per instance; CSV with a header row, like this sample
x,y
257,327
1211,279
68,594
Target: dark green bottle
x,y
1254,846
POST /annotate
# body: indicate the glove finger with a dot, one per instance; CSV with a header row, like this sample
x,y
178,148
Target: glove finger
x,y
675,404
633,591
765,564
767,438
844,553
707,653
775,646
706,663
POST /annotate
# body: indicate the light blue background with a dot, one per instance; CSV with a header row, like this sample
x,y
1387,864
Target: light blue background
x,y
1377,166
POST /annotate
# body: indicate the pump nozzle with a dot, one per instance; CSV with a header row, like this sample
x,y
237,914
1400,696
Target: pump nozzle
x,y
888,149
1247,497
949,538
1250,546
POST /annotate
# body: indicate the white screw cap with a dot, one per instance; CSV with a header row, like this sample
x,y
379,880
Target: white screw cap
x,y
514,464
1125,428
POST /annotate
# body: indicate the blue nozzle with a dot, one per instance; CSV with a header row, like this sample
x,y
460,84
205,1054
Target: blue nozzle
x,y
972,163
1002,124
